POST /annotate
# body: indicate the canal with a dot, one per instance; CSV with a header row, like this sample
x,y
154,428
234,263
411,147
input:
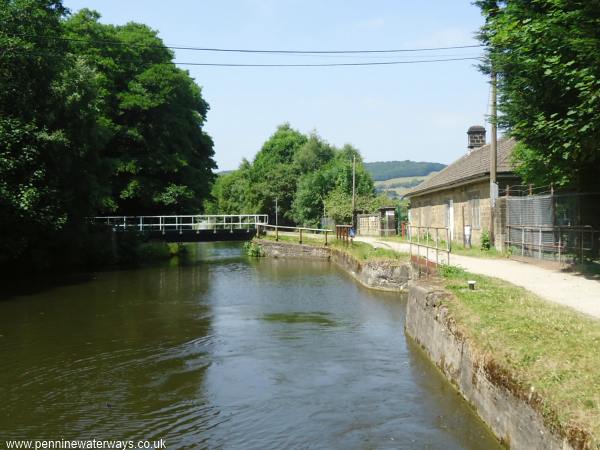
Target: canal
x,y
224,351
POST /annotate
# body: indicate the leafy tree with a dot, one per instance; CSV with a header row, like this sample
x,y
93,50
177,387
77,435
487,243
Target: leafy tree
x,y
160,159
300,171
48,130
232,193
338,205
93,118
547,56
313,154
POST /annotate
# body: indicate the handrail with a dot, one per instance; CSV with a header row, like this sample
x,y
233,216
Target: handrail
x,y
299,230
296,228
184,215
179,223
419,243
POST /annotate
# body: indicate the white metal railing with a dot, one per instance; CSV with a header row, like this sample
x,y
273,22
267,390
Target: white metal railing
x,y
429,242
182,223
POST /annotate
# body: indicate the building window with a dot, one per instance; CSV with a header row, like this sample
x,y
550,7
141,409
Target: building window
x,y
475,210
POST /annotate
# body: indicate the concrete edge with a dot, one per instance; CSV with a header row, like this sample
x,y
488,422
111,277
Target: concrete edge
x,y
480,381
371,275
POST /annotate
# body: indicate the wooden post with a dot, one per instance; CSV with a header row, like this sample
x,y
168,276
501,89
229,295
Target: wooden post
x,y
326,238
301,235
276,233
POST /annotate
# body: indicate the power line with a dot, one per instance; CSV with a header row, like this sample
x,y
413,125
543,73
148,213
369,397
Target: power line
x,y
244,50
371,63
31,53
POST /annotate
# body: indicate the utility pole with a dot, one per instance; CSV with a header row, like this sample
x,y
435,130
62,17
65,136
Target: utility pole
x,y
493,157
353,189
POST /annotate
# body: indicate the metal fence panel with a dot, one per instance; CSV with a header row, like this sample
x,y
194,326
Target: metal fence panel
x,y
561,227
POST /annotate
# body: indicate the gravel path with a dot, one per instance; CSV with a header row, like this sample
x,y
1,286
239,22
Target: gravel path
x,y
575,291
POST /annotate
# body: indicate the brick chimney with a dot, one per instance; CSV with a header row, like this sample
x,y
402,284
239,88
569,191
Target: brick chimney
x,y
476,136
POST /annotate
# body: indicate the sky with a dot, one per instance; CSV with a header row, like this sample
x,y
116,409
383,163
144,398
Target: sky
x,y
393,112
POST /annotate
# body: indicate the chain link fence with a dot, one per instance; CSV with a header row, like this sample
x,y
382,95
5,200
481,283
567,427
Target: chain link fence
x,y
556,227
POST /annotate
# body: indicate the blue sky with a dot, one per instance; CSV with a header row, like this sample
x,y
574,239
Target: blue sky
x,y
418,111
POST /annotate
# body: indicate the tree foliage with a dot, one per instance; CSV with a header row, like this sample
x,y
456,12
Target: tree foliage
x,y
93,118
547,56
160,160
304,173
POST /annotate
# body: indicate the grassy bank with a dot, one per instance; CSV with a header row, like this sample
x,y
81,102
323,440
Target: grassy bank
x,y
546,354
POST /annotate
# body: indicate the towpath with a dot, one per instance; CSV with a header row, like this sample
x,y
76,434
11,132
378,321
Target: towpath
x,y
575,291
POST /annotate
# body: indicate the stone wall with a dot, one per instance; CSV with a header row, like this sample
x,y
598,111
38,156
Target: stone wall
x,y
482,383
289,250
431,210
382,275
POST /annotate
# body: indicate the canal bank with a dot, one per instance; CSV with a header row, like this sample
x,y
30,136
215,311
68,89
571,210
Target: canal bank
x,y
528,368
383,274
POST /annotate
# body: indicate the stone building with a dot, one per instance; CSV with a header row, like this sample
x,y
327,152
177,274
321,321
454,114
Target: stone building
x,y
459,195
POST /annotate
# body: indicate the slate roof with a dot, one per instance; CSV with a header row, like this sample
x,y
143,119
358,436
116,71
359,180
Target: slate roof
x,y
471,166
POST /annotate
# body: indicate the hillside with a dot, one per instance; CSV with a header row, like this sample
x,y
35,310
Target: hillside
x,y
397,187
386,170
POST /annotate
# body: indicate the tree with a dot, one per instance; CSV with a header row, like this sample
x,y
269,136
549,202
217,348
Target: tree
x,y
300,171
48,130
160,159
339,205
547,56
93,118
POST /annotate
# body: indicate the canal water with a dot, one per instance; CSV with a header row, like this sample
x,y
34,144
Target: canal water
x,y
224,351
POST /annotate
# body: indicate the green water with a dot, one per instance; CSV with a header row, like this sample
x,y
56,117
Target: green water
x,y
224,351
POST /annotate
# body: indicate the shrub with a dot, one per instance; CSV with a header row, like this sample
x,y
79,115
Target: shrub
x,y
486,242
253,249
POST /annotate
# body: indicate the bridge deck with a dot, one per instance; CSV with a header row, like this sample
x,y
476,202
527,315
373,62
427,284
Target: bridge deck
x,y
189,228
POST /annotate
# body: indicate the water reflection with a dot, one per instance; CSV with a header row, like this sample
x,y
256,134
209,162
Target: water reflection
x,y
222,351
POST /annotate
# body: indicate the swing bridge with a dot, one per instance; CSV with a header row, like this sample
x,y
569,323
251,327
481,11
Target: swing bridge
x,y
189,228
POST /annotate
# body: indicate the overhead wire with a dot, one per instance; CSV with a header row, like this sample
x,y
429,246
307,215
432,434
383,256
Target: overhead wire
x,y
370,63
245,50
371,54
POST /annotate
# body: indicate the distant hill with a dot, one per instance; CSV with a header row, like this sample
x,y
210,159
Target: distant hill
x,y
386,170
396,187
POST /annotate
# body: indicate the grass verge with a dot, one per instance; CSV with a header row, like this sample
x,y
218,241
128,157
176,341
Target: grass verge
x,y
546,354
360,250
457,249
477,252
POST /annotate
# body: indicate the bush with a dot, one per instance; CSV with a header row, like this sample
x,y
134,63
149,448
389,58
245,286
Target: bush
x,y
253,249
486,242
